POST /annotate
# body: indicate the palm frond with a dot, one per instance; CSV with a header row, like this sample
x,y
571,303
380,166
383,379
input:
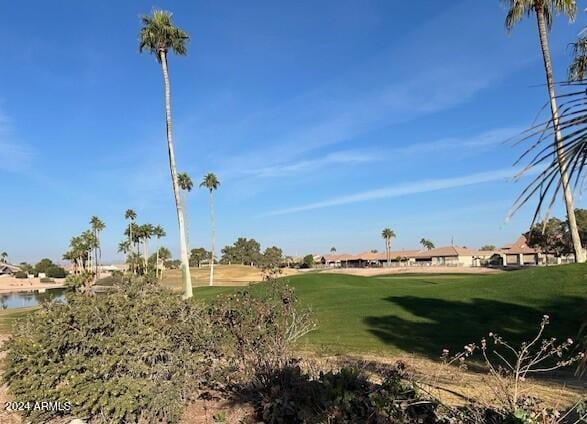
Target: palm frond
x,y
544,156
578,67
159,34
210,181
518,8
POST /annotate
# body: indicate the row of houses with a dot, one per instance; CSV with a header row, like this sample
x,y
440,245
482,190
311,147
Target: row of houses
x,y
517,253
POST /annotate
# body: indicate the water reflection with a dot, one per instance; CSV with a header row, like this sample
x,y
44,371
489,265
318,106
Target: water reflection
x,y
30,298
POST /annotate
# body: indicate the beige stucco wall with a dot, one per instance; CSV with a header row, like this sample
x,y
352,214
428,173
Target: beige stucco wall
x,y
466,260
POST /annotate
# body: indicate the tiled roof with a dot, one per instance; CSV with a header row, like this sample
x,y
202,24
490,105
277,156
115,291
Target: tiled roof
x,y
520,246
11,268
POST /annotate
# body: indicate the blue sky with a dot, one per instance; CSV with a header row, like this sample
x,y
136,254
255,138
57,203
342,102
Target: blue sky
x,y
325,121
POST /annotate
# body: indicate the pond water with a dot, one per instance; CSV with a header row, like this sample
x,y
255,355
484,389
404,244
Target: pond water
x,y
27,299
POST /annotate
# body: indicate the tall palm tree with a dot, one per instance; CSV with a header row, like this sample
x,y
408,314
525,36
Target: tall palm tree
x,y
387,235
130,215
158,232
210,181
97,227
544,10
185,185
332,250
158,36
4,255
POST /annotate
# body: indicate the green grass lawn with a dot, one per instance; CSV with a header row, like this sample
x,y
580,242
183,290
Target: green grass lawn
x,y
425,313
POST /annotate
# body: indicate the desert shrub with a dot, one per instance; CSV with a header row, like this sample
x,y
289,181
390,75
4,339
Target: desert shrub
x,y
257,327
509,367
55,271
47,280
344,396
126,356
20,274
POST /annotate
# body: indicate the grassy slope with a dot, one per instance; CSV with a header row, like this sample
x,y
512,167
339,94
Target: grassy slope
x,y
425,313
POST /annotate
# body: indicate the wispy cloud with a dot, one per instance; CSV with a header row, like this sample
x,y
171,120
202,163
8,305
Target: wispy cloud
x,y
384,90
16,155
475,144
399,190
307,165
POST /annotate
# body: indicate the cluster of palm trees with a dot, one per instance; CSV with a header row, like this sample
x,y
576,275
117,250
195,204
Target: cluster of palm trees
x,y
159,36
211,183
4,257
388,235
85,249
97,227
136,245
555,178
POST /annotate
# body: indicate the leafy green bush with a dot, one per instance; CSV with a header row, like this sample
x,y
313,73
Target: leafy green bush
x,y
55,271
47,280
129,355
20,274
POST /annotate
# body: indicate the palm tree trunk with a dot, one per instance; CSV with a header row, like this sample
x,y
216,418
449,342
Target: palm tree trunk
x,y
131,264
213,224
99,259
157,263
146,250
562,166
185,265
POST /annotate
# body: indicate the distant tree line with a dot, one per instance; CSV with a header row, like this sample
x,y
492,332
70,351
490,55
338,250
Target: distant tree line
x,y
248,252
44,266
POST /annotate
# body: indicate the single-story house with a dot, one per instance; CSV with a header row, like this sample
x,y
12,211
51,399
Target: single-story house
x,y
7,269
452,256
519,253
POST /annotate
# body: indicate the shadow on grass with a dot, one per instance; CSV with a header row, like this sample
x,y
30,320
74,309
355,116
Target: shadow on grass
x,y
452,324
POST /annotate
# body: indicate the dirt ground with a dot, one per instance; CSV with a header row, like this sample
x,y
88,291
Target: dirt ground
x,y
11,284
